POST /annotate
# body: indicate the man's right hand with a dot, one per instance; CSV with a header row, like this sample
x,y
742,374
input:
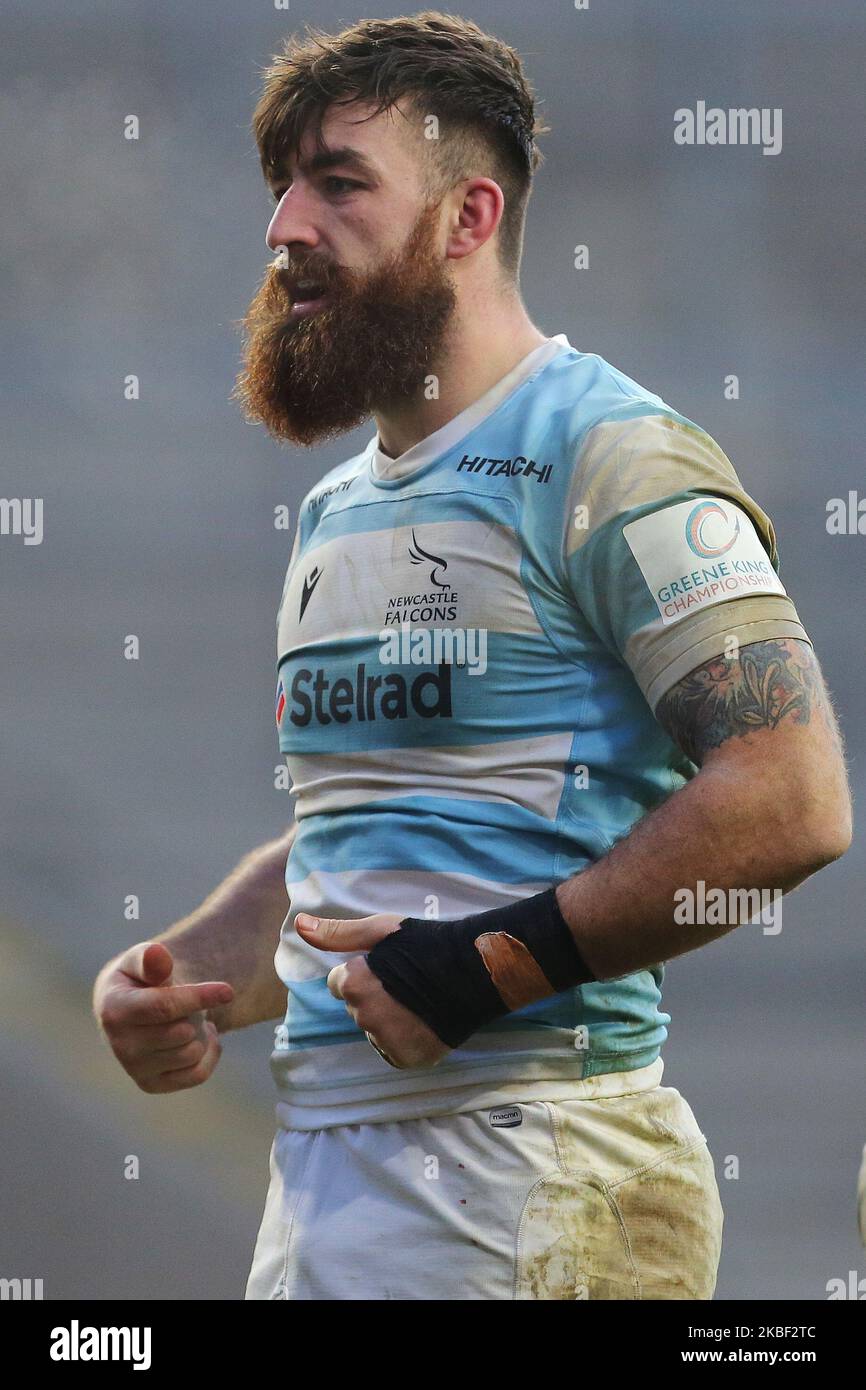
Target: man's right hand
x,y
157,1029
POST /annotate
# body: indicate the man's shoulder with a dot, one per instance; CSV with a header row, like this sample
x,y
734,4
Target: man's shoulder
x,y
620,442
619,434
590,388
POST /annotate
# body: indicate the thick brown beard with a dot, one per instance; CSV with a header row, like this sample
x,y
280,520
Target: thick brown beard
x,y
307,380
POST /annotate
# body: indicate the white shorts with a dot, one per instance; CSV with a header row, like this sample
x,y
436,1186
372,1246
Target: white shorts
x,y
609,1195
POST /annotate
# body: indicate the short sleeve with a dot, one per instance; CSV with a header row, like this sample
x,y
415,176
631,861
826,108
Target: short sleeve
x,y
666,555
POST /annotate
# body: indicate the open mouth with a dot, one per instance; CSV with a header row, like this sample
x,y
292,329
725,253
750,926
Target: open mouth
x,y
308,296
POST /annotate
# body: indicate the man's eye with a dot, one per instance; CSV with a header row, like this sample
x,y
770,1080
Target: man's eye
x,y
334,183
345,184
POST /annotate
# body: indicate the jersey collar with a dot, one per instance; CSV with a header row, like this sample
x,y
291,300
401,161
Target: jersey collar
x,y
385,470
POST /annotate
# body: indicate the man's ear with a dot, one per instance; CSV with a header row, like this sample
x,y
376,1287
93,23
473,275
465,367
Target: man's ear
x,y
478,215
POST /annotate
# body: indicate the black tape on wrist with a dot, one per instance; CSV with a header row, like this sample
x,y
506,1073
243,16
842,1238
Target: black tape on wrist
x,y
458,975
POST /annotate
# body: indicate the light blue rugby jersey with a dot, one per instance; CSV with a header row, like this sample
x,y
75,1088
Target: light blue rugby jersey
x,y
575,547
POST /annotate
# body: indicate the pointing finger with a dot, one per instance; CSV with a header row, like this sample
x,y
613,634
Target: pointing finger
x,y
335,934
171,1002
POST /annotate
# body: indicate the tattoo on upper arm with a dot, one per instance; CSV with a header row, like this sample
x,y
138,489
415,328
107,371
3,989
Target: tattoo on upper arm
x,y
767,682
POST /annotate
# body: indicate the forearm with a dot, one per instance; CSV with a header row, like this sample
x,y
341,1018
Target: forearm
x,y
621,915
726,829
768,808
233,935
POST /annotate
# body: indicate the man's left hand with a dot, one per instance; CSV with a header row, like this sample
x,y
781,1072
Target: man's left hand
x,y
396,1033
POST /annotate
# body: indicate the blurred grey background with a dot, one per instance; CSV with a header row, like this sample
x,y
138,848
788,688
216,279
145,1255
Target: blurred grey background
x,y
153,777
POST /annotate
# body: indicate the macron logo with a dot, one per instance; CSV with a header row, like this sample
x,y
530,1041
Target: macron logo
x,y
77,1343
307,592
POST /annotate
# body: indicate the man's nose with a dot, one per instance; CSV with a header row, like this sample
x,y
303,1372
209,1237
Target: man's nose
x,y
290,225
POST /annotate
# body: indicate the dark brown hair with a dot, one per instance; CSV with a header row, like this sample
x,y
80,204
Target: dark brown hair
x,y
444,66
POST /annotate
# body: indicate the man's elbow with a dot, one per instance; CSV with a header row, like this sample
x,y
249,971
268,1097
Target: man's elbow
x,y
827,831
805,816
834,840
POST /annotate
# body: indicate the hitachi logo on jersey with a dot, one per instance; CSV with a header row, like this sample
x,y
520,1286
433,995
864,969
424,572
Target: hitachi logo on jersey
x,y
363,697
509,467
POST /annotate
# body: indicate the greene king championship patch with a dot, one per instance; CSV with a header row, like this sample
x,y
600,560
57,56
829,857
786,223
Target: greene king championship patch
x,y
698,553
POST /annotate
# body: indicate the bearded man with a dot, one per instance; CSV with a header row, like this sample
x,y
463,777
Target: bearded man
x,y
550,717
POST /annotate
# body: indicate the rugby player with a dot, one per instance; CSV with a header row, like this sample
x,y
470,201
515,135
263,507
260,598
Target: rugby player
x,y
550,716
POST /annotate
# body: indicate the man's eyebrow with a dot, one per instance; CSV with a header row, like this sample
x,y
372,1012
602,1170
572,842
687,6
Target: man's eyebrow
x,y
346,157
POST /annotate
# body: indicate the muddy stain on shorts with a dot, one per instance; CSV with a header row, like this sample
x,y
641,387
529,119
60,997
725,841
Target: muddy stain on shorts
x,y
643,1222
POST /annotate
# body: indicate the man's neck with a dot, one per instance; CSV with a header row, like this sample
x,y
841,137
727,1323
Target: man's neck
x,y
478,353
